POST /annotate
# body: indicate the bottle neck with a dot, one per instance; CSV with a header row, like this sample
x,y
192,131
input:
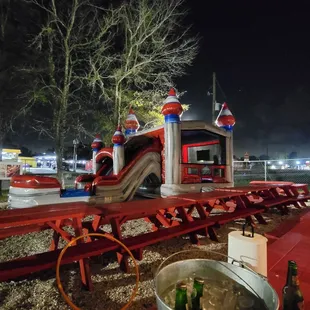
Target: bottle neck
x,y
292,276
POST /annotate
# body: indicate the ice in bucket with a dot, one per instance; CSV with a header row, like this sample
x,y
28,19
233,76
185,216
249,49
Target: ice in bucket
x,y
222,294
226,286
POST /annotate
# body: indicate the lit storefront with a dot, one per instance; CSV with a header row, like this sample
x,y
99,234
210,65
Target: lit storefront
x,y
10,154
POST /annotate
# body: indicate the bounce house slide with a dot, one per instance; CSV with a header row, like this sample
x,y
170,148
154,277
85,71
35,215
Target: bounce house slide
x,y
105,169
139,176
29,191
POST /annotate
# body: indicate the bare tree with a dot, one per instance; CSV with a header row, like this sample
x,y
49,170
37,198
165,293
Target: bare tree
x,y
59,100
152,49
91,55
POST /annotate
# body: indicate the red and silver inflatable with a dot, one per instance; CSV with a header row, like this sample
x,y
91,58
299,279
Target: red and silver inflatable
x,y
225,118
174,158
131,123
118,140
96,146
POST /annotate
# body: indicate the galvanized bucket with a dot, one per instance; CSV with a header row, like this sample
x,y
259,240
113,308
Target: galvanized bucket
x,y
211,269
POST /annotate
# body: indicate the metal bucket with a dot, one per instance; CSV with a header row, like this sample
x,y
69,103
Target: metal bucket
x,y
211,269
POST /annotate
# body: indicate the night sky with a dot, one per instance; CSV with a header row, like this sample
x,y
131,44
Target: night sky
x,y
261,54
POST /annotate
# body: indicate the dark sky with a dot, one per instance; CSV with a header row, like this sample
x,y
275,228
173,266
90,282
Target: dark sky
x,y
260,52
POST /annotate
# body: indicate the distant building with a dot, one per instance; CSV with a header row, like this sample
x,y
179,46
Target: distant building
x,y
10,154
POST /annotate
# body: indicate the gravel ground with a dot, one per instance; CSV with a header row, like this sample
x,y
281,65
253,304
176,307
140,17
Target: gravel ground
x,y
112,287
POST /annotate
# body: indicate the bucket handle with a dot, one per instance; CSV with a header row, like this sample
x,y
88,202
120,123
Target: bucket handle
x,y
252,229
233,261
245,266
180,252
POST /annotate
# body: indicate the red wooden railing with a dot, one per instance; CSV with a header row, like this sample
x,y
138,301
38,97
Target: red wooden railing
x,y
202,173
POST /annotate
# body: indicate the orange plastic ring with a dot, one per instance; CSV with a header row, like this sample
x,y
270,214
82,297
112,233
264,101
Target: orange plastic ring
x,y
60,287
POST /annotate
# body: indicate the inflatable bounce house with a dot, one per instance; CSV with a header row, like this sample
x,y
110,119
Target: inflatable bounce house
x,y
177,157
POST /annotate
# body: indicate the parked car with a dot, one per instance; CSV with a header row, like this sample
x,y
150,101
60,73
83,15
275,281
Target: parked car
x,y
65,166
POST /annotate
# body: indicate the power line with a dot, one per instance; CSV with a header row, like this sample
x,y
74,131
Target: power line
x,y
221,89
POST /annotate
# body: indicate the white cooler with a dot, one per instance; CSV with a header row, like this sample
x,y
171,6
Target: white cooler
x,y
250,248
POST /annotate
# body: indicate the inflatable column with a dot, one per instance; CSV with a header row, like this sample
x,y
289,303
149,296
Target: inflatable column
x,y
118,140
227,121
96,146
131,124
172,110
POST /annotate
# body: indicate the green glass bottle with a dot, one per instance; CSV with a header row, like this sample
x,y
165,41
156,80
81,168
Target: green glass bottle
x,y
198,286
181,296
292,295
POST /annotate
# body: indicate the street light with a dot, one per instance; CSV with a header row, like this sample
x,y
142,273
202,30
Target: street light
x,y
75,144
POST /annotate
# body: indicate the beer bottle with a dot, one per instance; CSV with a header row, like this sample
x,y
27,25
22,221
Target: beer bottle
x,y
292,295
181,296
198,286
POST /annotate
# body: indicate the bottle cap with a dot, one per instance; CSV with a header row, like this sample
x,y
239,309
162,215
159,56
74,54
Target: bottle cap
x,y
292,262
182,285
199,280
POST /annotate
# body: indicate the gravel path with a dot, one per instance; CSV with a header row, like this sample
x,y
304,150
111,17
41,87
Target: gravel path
x,y
112,287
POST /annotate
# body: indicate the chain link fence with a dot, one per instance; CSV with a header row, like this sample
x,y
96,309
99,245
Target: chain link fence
x,y
293,170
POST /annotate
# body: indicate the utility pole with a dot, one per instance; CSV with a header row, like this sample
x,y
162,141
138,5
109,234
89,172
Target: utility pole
x,y
214,98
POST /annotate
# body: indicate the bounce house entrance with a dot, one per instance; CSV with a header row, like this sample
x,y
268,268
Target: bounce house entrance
x,y
203,157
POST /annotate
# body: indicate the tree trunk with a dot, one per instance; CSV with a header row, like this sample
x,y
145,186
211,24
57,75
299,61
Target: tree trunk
x,y
118,100
62,116
59,149
115,115
60,121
